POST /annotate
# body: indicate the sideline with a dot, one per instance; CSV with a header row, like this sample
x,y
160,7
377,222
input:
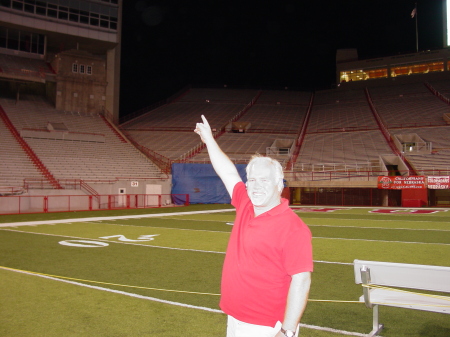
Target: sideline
x,y
189,306
115,242
153,215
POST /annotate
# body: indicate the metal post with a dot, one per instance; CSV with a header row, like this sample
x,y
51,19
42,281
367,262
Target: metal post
x,y
376,327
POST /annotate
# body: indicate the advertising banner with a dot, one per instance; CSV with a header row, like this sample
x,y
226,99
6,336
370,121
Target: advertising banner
x,y
439,182
401,183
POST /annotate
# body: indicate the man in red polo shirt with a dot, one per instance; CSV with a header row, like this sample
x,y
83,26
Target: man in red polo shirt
x,y
267,270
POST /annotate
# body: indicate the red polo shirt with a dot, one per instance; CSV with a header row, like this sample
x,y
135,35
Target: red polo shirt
x,y
262,255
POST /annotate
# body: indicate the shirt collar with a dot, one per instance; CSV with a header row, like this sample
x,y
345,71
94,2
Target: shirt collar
x,y
277,209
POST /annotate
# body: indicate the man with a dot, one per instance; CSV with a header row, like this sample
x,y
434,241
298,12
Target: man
x,y
267,270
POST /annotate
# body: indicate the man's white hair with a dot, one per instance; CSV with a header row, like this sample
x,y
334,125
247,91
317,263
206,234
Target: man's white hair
x,y
278,169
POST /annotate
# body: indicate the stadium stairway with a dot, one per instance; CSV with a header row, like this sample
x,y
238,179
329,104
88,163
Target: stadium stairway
x,y
386,133
114,130
301,135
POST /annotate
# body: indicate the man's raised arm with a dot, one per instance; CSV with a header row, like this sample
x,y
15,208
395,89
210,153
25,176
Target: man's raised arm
x,y
223,166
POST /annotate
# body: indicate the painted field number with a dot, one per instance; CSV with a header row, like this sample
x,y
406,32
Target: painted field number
x,y
97,244
123,238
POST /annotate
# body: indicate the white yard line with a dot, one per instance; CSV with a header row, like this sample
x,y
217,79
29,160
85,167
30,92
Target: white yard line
x,y
153,215
209,251
342,226
116,291
117,242
184,305
388,241
388,228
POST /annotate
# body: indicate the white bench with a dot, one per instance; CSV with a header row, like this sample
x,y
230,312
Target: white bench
x,y
376,277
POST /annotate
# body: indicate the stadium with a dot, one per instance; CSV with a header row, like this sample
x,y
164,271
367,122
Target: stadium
x,y
366,166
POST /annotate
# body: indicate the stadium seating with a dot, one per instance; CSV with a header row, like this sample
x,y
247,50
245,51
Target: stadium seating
x,y
183,115
218,95
168,129
442,86
241,146
266,118
339,96
342,147
341,133
408,106
275,97
438,161
341,117
72,159
170,144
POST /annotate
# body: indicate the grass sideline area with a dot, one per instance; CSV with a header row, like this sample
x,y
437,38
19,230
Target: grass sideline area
x,y
157,271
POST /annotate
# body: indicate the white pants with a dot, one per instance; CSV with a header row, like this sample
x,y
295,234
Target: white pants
x,y
236,328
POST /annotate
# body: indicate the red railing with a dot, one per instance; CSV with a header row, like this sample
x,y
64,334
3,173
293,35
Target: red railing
x,y
74,132
414,125
272,131
164,128
301,134
292,176
351,175
107,120
20,204
161,161
344,129
77,184
386,133
11,190
437,93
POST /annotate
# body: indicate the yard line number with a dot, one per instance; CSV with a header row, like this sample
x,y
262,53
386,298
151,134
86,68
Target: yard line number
x,y
99,244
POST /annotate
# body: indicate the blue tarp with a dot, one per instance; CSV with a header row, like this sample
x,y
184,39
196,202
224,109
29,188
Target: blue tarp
x,y
202,184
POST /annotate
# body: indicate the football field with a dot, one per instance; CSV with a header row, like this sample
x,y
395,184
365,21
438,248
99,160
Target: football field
x,y
157,272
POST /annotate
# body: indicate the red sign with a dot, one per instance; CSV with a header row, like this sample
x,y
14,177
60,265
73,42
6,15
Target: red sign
x,y
401,183
439,182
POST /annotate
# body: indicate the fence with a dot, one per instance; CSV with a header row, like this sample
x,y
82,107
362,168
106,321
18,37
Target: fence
x,y
324,196
332,175
345,197
347,174
8,190
21,204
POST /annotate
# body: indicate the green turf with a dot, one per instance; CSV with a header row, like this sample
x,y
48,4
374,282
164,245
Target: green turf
x,y
33,306
118,263
169,263
42,307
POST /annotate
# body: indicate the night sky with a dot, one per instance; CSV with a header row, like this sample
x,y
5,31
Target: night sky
x,y
169,44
